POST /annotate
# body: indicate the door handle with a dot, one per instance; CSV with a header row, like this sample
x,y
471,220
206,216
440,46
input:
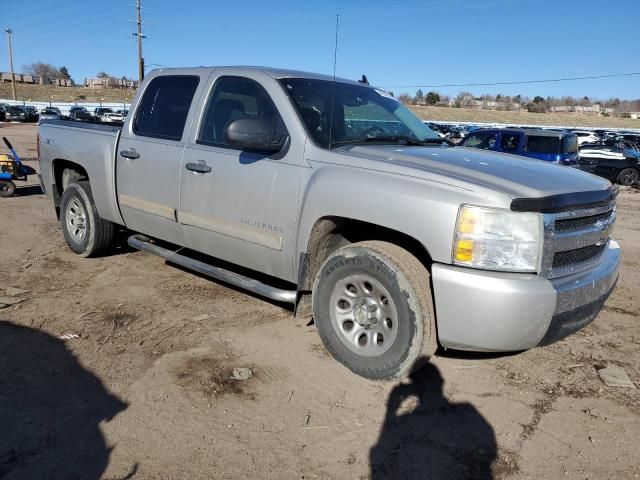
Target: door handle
x,y
131,154
199,167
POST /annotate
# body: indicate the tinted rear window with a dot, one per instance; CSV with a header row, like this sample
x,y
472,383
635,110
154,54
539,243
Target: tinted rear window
x,y
540,144
164,107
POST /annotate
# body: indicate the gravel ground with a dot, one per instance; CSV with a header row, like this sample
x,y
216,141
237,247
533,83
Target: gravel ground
x,y
119,367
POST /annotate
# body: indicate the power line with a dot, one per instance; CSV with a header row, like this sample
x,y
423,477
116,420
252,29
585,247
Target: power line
x,y
518,82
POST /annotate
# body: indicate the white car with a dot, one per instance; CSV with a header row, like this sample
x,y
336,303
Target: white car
x,y
112,118
586,136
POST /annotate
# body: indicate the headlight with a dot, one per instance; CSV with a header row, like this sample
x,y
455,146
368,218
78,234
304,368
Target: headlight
x,y
497,239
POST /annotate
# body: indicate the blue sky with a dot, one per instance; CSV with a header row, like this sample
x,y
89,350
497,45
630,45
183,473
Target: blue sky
x,y
396,43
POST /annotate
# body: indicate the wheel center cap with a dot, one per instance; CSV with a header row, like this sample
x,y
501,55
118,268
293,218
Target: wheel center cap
x,y
364,315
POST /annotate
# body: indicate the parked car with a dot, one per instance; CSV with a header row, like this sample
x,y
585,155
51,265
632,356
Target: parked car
x,y
76,108
17,113
112,118
3,109
33,113
618,165
100,111
629,141
50,114
585,136
365,216
124,113
547,145
80,114
625,140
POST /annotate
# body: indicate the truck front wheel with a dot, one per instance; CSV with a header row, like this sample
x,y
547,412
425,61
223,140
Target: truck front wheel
x,y
86,233
373,310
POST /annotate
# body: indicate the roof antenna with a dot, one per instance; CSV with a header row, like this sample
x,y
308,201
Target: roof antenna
x,y
333,84
364,80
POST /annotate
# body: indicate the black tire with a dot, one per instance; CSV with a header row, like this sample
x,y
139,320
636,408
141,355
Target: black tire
x,y
76,201
7,188
628,177
407,282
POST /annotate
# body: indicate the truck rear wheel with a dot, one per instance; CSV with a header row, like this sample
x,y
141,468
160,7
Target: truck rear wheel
x,y
373,310
85,232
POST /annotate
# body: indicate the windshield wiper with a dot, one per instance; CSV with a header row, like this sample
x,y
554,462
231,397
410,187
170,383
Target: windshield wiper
x,y
403,139
406,140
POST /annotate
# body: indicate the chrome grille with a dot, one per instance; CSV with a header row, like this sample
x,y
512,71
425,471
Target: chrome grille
x,y
574,240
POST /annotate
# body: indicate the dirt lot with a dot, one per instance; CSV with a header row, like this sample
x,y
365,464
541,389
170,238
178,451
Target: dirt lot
x,y
144,391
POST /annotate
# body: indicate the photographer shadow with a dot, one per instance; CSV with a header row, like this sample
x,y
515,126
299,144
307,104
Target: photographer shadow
x,y
435,440
50,410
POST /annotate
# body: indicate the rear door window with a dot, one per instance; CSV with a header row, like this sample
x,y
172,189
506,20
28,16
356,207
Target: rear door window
x,y
509,142
485,140
164,107
543,144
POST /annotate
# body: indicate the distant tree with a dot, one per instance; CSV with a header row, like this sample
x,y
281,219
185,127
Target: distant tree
x,y
419,98
103,75
538,105
64,73
405,98
464,100
432,98
46,71
585,102
508,103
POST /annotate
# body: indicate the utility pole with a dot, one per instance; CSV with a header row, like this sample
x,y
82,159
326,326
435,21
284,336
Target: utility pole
x,y
140,36
13,75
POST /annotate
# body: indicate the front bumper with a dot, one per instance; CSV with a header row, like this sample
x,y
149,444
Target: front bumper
x,y
494,311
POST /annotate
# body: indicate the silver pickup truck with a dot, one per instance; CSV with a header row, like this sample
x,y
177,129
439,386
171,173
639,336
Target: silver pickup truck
x,y
334,197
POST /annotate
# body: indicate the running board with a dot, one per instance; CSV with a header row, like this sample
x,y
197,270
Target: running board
x,y
140,242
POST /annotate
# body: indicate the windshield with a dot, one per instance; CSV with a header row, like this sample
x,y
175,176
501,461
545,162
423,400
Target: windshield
x,y
360,113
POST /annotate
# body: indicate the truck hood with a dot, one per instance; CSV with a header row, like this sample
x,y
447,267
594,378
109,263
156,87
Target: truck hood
x,y
511,174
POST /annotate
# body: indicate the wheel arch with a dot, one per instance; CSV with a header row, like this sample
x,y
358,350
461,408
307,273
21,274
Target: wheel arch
x,y
65,172
332,232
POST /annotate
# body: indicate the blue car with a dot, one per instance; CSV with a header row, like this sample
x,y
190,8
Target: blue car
x,y
548,145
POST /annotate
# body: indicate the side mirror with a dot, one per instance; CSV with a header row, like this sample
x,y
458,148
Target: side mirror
x,y
255,134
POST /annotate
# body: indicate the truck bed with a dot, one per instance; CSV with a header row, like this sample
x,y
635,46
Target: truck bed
x,y
92,145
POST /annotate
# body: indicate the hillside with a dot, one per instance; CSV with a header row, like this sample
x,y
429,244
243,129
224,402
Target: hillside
x,y
72,94
521,118
39,93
